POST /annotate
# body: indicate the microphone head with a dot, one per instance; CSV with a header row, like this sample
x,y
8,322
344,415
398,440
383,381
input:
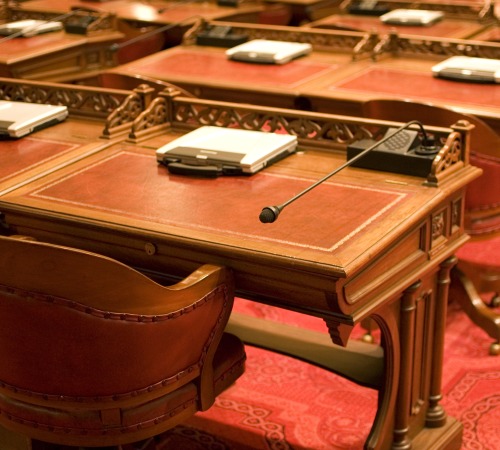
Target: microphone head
x,y
269,214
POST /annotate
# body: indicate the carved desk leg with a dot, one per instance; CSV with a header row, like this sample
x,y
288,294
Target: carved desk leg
x,y
436,416
407,336
381,433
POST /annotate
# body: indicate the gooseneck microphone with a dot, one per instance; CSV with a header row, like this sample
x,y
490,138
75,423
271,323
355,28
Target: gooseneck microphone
x,y
270,213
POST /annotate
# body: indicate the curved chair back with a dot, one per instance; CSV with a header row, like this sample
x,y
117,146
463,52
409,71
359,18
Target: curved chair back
x,y
482,203
95,353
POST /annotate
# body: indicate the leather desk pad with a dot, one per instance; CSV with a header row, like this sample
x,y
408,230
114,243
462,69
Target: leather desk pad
x,y
21,155
133,185
216,67
420,85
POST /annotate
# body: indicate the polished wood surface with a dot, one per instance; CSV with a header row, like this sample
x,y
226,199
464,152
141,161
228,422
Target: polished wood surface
x,y
56,56
491,34
388,259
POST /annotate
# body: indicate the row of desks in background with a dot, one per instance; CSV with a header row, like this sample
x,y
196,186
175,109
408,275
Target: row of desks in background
x,y
336,77
133,20
333,78
466,22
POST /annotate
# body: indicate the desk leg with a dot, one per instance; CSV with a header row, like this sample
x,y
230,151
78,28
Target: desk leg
x,y
407,336
381,433
436,416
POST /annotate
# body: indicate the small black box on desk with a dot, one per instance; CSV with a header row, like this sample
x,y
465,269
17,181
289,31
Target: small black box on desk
x,y
403,153
220,36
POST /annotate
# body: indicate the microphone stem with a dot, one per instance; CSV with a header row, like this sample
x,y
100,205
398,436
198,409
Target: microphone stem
x,y
352,160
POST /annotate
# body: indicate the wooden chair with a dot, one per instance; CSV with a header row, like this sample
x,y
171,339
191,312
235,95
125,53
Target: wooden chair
x,y
477,273
93,353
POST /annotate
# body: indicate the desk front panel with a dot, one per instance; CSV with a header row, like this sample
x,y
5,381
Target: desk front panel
x,y
20,49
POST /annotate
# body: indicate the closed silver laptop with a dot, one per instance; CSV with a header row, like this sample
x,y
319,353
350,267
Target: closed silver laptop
x,y
468,68
18,119
212,151
411,17
268,51
28,27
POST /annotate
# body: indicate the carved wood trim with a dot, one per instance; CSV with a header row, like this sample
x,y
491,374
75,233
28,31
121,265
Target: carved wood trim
x,y
359,44
450,154
316,130
424,46
118,108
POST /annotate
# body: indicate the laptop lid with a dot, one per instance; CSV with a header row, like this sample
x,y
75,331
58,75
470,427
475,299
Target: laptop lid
x,y
29,27
213,151
267,51
411,17
18,119
468,68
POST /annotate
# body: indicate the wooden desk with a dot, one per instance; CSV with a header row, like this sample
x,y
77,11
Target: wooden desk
x,y
59,56
389,258
448,27
97,118
139,19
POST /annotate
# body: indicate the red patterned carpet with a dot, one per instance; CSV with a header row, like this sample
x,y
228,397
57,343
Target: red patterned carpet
x,y
281,403
285,404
